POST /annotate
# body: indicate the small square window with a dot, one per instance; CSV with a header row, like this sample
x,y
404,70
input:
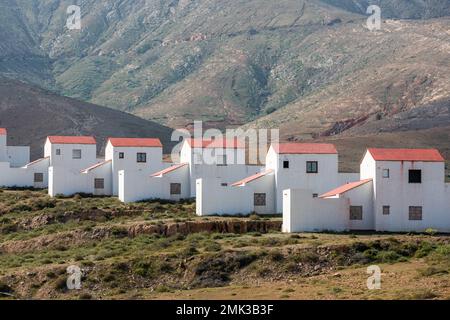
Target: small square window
x,y
224,184
99,183
285,164
415,213
386,210
415,176
121,155
259,199
76,154
312,167
175,188
141,157
58,152
38,177
356,212
315,195
385,173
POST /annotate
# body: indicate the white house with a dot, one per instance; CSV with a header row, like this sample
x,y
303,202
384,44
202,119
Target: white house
x,y
140,155
220,161
69,156
309,166
15,169
398,190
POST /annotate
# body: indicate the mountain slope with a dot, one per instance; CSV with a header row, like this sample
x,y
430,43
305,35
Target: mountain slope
x,y
30,114
308,66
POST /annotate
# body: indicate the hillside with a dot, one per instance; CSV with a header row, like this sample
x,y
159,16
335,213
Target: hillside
x,y
154,250
30,114
177,61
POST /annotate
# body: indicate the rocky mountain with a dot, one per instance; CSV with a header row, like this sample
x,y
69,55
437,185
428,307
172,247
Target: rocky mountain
x,y
231,62
31,114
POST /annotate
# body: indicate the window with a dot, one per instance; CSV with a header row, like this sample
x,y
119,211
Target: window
x,y
224,184
76,154
386,210
175,188
415,176
259,199
385,173
315,195
58,152
141,157
415,213
38,177
311,167
285,164
121,155
99,183
356,212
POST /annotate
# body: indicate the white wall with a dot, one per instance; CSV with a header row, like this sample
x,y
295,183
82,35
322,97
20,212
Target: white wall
x,y
136,186
68,182
212,198
295,177
361,196
399,194
303,213
88,155
18,156
23,176
129,162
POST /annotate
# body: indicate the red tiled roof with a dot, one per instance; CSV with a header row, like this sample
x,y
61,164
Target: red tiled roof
x,y
167,170
304,148
426,155
344,188
135,142
72,139
95,166
2,132
251,178
216,143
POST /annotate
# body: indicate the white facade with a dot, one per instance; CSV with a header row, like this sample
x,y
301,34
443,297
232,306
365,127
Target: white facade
x,y
15,169
123,154
400,190
68,157
220,162
306,166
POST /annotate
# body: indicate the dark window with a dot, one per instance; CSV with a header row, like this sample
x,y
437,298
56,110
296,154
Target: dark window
x,y
58,152
285,164
415,176
386,210
415,213
312,167
315,195
175,188
38,177
99,183
121,155
385,173
224,184
356,212
76,154
259,199
141,157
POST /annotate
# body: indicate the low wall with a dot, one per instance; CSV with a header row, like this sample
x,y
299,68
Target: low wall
x,y
212,199
301,212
